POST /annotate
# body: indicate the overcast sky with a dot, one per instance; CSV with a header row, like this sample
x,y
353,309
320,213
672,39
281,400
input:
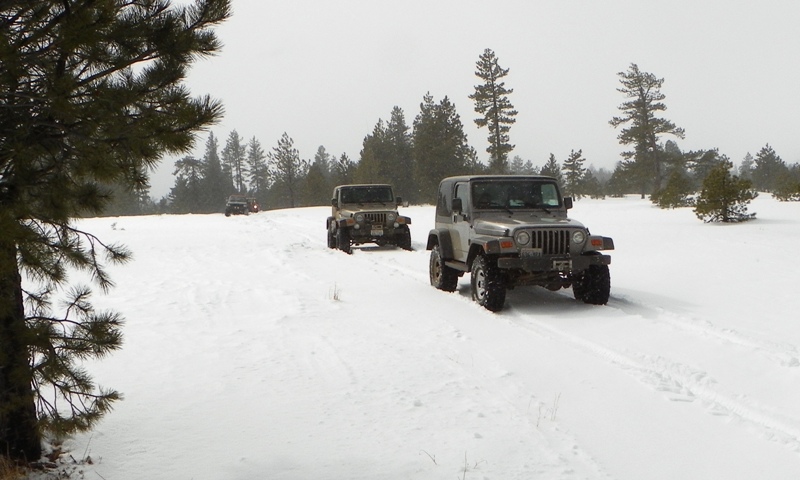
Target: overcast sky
x,y
325,72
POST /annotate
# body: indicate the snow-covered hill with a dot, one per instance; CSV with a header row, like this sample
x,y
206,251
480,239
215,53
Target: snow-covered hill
x,y
253,351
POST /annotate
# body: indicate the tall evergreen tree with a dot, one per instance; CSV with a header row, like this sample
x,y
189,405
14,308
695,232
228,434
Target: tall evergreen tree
x,y
497,112
343,171
400,163
574,173
644,127
552,169
768,170
440,146
746,168
186,195
257,171
373,165
91,93
287,170
234,161
318,186
216,185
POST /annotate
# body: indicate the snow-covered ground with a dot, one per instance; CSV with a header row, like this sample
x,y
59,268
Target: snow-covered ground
x,y
252,351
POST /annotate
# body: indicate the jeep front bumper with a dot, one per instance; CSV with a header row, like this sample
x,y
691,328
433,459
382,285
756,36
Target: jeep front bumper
x,y
529,262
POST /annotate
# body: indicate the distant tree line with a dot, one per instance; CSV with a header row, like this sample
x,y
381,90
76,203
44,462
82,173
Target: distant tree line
x,y
415,157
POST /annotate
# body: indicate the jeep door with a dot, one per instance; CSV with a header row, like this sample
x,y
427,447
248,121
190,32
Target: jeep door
x,y
461,223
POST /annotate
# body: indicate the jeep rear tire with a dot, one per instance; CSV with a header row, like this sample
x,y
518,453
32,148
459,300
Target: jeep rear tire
x,y
488,284
442,277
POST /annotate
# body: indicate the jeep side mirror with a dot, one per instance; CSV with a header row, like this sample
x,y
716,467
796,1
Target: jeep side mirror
x,y
398,201
568,202
458,206
334,202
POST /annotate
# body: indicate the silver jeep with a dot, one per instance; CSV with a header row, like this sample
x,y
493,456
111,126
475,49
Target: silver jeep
x,y
510,230
366,213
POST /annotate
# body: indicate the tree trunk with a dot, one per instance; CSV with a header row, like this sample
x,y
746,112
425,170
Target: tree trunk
x,y
19,435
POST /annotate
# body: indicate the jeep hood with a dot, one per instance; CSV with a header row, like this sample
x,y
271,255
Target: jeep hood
x,y
504,226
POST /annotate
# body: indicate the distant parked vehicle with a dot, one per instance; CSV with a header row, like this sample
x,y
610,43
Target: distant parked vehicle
x,y
236,205
252,205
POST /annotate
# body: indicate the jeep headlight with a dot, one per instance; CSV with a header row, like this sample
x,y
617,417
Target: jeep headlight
x,y
578,236
359,217
522,238
391,216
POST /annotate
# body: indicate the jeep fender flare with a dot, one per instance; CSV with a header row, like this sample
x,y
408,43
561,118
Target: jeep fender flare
x,y
482,245
441,237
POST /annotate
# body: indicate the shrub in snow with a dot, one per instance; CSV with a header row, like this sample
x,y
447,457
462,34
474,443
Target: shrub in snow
x,y
724,197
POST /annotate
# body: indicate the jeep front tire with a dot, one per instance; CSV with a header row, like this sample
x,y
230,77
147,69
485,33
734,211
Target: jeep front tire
x,y
488,284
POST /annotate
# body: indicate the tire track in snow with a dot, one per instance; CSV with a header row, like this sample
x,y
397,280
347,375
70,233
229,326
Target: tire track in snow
x,y
784,354
682,383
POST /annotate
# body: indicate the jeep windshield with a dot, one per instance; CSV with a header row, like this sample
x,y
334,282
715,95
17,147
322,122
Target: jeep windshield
x,y
514,195
369,194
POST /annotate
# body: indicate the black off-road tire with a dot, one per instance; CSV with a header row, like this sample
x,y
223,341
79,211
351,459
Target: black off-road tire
x,y
442,277
343,240
594,286
488,284
331,239
404,239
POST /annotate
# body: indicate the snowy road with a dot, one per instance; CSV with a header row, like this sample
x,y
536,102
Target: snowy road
x,y
254,351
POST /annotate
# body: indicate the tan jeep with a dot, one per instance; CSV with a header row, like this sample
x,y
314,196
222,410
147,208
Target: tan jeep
x,y
366,213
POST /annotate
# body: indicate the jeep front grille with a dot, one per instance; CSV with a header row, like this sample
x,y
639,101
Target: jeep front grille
x,y
379,218
552,242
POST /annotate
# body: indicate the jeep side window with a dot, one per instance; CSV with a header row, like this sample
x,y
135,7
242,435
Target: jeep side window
x,y
462,192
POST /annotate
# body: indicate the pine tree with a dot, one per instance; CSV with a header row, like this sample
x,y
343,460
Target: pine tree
x,y
343,171
646,100
91,93
186,195
216,185
440,146
318,186
400,162
769,169
497,112
257,171
746,168
574,173
373,165
552,169
287,170
676,192
788,187
233,159
724,197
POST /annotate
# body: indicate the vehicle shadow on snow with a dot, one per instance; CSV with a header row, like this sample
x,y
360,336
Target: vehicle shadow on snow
x,y
535,300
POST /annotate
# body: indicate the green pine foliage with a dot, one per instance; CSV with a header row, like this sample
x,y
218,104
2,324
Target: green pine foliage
x,y
676,193
440,147
92,96
574,173
497,112
288,171
768,170
724,197
788,187
553,169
